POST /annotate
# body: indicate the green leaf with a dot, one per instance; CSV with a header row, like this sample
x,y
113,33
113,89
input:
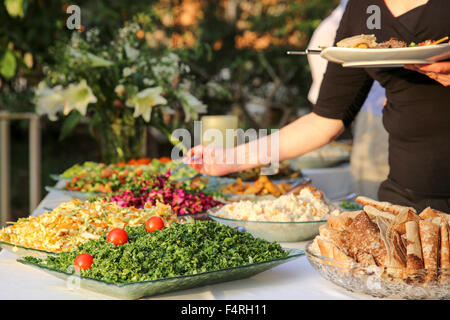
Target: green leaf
x,y
95,120
70,123
15,8
8,65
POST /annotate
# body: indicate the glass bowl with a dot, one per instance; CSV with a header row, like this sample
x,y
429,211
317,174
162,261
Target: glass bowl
x,y
24,251
273,231
380,282
139,289
75,194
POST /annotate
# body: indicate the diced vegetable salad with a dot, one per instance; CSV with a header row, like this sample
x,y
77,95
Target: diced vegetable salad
x,y
99,177
75,222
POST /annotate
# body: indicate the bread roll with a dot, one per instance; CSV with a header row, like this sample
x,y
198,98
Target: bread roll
x,y
329,250
445,251
365,236
374,212
399,223
364,258
395,248
429,238
343,220
384,206
338,238
414,259
429,213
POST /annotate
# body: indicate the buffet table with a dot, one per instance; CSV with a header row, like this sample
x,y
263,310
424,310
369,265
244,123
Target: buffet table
x,y
293,280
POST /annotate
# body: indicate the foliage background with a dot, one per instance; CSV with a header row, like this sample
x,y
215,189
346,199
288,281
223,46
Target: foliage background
x,y
239,44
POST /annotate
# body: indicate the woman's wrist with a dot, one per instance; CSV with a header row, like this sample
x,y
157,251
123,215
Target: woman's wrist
x,y
255,153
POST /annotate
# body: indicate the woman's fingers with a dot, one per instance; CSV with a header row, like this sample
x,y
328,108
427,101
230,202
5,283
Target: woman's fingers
x,y
437,67
410,67
442,79
438,71
209,160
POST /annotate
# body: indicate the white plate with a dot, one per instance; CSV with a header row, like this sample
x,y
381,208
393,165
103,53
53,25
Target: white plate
x,y
388,58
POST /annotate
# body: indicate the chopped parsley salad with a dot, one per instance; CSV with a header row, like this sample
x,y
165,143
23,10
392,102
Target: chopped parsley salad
x,y
181,249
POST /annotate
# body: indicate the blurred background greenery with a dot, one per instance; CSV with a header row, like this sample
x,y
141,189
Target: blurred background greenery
x,y
240,44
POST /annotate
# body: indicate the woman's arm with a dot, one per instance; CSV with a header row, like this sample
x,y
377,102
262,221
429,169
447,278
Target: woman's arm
x,y
299,137
342,93
439,71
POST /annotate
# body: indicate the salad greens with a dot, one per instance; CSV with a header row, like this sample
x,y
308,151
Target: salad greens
x,y
181,249
350,205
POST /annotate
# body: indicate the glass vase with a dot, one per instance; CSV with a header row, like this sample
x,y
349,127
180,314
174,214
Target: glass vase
x,y
122,138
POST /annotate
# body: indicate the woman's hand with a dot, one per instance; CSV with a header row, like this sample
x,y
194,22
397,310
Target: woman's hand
x,y
211,160
299,137
439,71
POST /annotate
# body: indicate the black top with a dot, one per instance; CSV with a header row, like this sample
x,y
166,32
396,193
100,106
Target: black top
x,y
417,115
411,19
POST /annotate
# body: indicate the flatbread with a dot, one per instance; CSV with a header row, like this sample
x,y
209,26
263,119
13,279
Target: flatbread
x,y
429,238
414,258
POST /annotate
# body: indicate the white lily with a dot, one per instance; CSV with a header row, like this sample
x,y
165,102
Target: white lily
x,y
145,100
77,97
120,90
95,61
191,105
49,100
131,52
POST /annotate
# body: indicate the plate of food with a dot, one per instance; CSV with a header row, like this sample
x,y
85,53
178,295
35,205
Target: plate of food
x,y
288,218
363,51
166,260
386,251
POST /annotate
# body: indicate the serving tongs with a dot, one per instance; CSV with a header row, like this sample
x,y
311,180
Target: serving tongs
x,y
299,184
182,165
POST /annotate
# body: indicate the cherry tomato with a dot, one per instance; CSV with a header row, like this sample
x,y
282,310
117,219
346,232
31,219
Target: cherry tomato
x,y
143,161
154,223
117,236
75,179
83,261
165,159
138,171
106,173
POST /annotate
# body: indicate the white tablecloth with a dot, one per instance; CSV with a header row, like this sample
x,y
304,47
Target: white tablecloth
x,y
293,280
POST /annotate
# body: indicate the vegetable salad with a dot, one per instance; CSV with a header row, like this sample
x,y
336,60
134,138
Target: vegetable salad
x,y
99,177
75,222
183,199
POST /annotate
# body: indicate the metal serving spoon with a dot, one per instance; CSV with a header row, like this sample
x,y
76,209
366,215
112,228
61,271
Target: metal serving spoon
x,y
305,52
299,184
182,165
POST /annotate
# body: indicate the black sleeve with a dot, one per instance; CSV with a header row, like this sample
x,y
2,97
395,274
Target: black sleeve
x,y
343,90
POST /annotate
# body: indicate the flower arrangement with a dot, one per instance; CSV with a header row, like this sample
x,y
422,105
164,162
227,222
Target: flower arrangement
x,y
120,88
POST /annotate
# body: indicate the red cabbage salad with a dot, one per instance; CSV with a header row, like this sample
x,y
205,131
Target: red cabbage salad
x,y
180,196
